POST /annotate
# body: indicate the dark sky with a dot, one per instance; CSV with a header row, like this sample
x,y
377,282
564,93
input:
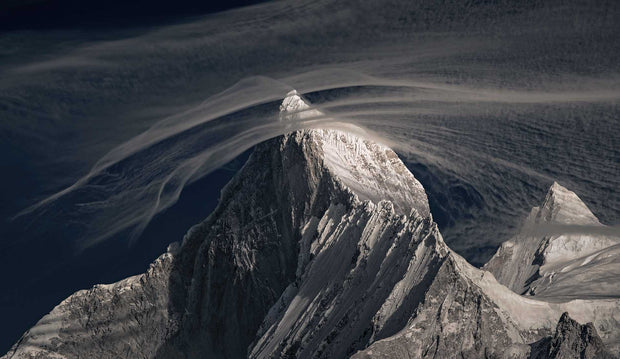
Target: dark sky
x,y
72,14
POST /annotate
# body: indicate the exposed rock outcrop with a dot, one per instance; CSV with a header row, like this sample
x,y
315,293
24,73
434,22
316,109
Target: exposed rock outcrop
x,y
571,340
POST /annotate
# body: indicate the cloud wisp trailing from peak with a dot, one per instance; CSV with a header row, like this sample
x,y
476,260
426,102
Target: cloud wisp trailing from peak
x,y
487,106
145,175
556,229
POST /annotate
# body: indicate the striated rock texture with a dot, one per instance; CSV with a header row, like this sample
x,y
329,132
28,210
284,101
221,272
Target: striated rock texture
x,y
235,265
455,319
127,319
322,246
571,340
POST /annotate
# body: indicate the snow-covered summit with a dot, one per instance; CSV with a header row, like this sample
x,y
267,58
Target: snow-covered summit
x,y
371,170
293,103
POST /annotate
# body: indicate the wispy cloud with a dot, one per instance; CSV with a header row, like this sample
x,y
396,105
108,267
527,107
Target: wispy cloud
x,y
498,107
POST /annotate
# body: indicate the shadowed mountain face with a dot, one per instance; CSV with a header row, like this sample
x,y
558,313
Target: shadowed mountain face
x,y
299,261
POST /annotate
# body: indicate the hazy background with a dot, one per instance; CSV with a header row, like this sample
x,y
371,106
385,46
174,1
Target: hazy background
x,y
111,113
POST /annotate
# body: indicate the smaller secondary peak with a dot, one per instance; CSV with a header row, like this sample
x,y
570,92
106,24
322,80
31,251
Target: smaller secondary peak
x,y
293,103
574,340
564,206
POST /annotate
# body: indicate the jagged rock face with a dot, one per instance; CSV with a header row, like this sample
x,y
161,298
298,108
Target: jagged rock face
x,y
456,319
258,241
571,340
540,264
234,266
366,272
277,215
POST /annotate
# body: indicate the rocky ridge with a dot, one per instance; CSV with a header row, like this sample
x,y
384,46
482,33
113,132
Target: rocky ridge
x,y
571,340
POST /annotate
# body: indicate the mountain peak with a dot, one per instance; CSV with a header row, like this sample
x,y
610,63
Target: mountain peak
x,y
293,102
564,206
368,169
526,262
